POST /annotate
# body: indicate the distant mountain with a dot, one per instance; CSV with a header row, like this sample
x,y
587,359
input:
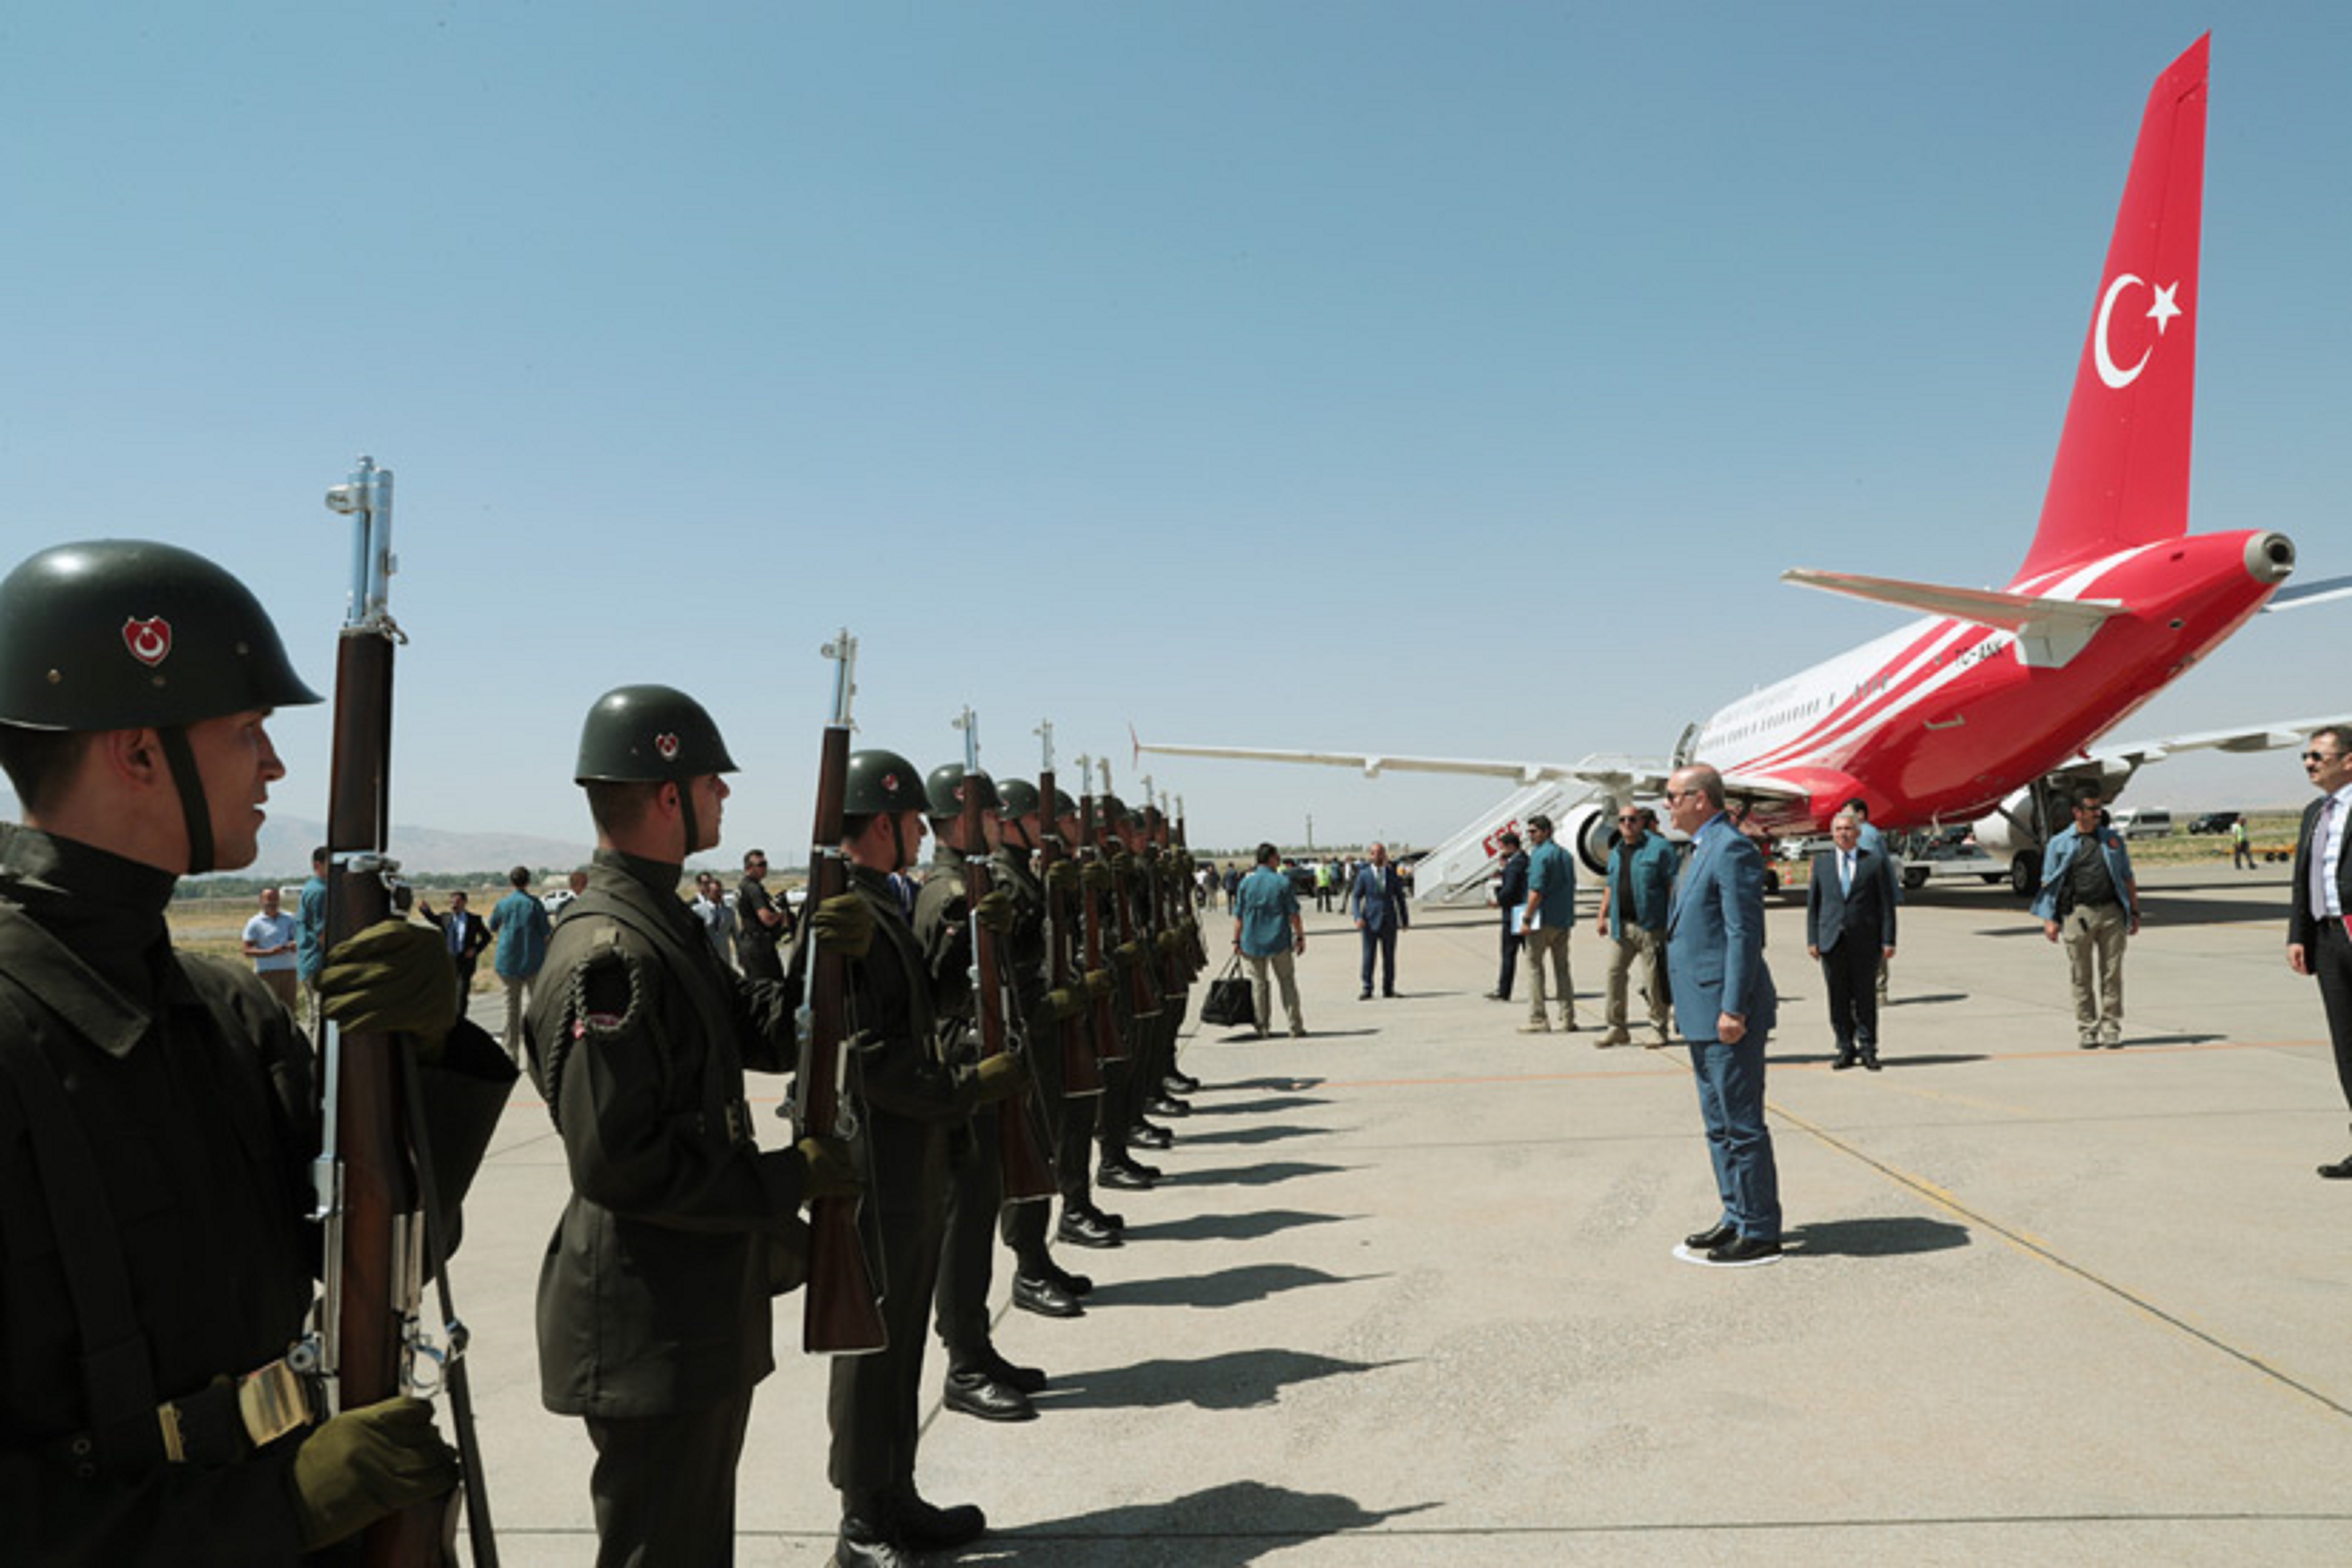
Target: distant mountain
x,y
286,843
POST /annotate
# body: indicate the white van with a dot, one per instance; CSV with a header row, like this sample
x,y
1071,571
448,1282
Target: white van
x,y
2142,821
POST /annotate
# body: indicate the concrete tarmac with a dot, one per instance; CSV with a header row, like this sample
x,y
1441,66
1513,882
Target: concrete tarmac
x,y
1408,1293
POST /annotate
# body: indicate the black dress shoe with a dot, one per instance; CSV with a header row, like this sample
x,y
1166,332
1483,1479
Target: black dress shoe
x,y
1076,1284
1870,1060
1150,1137
1846,1059
862,1544
1118,1222
919,1526
1181,1083
1126,1177
2339,1172
974,1393
1364,996
1742,1250
1086,1229
1710,1239
1045,1297
1027,1379
1166,1105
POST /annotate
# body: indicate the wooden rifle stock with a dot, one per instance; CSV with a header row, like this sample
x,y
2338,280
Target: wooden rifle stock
x,y
1142,985
1194,907
1109,1046
1081,1072
841,1314
1028,1175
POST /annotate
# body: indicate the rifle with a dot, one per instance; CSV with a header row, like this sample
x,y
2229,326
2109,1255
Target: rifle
x,y
1081,1072
374,1176
842,1314
1143,987
1195,903
1028,1174
1110,1045
1160,885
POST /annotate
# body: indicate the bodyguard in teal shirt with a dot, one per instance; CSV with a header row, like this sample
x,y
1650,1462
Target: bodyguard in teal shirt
x,y
1647,875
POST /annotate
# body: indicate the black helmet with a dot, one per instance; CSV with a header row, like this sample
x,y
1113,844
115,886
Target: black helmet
x,y
1016,797
649,734
1111,810
882,783
125,634
945,790
1064,806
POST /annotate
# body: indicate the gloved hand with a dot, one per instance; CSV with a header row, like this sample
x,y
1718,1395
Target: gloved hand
x,y
993,911
1129,952
393,977
1063,1002
831,1168
1100,984
365,1464
1097,877
1062,878
1169,941
1122,862
843,923
1000,1076
1185,864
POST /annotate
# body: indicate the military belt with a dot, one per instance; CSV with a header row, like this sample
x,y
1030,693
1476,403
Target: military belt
x,y
218,1425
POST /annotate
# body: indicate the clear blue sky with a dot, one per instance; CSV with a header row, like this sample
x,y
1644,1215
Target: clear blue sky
x,y
1435,378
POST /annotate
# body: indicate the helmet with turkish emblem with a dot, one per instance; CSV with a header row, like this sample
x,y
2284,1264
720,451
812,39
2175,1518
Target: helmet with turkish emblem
x,y
948,784
649,734
882,783
1016,797
127,634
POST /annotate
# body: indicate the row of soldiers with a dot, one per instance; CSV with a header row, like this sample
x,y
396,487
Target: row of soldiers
x,y
654,1312
160,1116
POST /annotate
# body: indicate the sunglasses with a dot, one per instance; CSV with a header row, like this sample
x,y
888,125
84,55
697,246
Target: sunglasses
x,y
2318,756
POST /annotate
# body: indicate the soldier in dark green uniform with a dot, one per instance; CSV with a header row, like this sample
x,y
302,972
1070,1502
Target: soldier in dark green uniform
x,y
654,1296
915,1103
1121,1121
979,1381
1084,1224
1039,1284
156,1109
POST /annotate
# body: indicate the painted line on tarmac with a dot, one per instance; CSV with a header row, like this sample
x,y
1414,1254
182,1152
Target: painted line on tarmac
x,y
2037,1247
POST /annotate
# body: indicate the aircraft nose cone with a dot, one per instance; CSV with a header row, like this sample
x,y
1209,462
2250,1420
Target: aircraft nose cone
x,y
2270,558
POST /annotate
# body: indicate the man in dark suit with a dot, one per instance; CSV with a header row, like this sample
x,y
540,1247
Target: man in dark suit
x,y
1850,927
1725,1006
1376,898
2317,942
465,934
1510,892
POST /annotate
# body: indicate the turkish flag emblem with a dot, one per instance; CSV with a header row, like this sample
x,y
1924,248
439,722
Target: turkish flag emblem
x,y
150,641
668,746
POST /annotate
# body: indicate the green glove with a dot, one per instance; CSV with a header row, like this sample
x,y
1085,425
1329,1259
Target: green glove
x,y
843,922
365,1464
393,977
1064,876
993,911
1100,984
1122,863
1185,863
832,1169
1129,952
1063,1003
1097,877
1000,1077
1169,941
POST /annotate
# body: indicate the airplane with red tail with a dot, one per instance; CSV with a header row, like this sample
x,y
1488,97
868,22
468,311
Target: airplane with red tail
x,y
1996,701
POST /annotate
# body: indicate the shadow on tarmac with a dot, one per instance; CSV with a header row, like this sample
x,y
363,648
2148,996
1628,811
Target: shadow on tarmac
x,y
1258,1134
1237,1380
2169,909
1226,1288
1229,1226
1220,1527
1286,1085
2130,1040
1264,1176
1258,1107
1875,1237
1932,999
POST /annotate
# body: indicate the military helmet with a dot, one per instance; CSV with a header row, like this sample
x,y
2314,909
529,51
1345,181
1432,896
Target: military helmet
x,y
882,783
945,790
1016,797
1110,809
127,634
649,734
1064,806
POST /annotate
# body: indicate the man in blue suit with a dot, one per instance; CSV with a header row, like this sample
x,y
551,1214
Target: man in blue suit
x,y
1850,927
1376,898
1725,1006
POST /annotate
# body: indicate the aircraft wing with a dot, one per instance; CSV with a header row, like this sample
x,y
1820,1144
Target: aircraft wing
x,y
1617,774
2266,737
2306,593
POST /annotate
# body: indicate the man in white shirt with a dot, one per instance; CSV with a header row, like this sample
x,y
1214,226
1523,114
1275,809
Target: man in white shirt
x,y
270,942
2318,944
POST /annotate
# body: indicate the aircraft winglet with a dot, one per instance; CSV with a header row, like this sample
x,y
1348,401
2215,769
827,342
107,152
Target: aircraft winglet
x,y
2050,632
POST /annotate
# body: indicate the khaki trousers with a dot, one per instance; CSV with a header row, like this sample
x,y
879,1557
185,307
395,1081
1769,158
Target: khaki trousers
x,y
518,1003
1649,946
1549,942
2094,935
284,986
1285,971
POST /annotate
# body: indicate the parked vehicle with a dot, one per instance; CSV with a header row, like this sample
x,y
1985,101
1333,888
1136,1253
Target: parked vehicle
x,y
2215,821
2142,821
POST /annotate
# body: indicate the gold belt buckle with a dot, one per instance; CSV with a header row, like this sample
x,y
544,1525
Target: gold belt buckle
x,y
272,1402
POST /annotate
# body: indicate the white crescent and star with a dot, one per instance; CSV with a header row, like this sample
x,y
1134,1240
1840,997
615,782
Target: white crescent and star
x,y
2161,312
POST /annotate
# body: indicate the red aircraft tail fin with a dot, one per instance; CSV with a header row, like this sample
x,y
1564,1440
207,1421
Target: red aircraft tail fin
x,y
2122,474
